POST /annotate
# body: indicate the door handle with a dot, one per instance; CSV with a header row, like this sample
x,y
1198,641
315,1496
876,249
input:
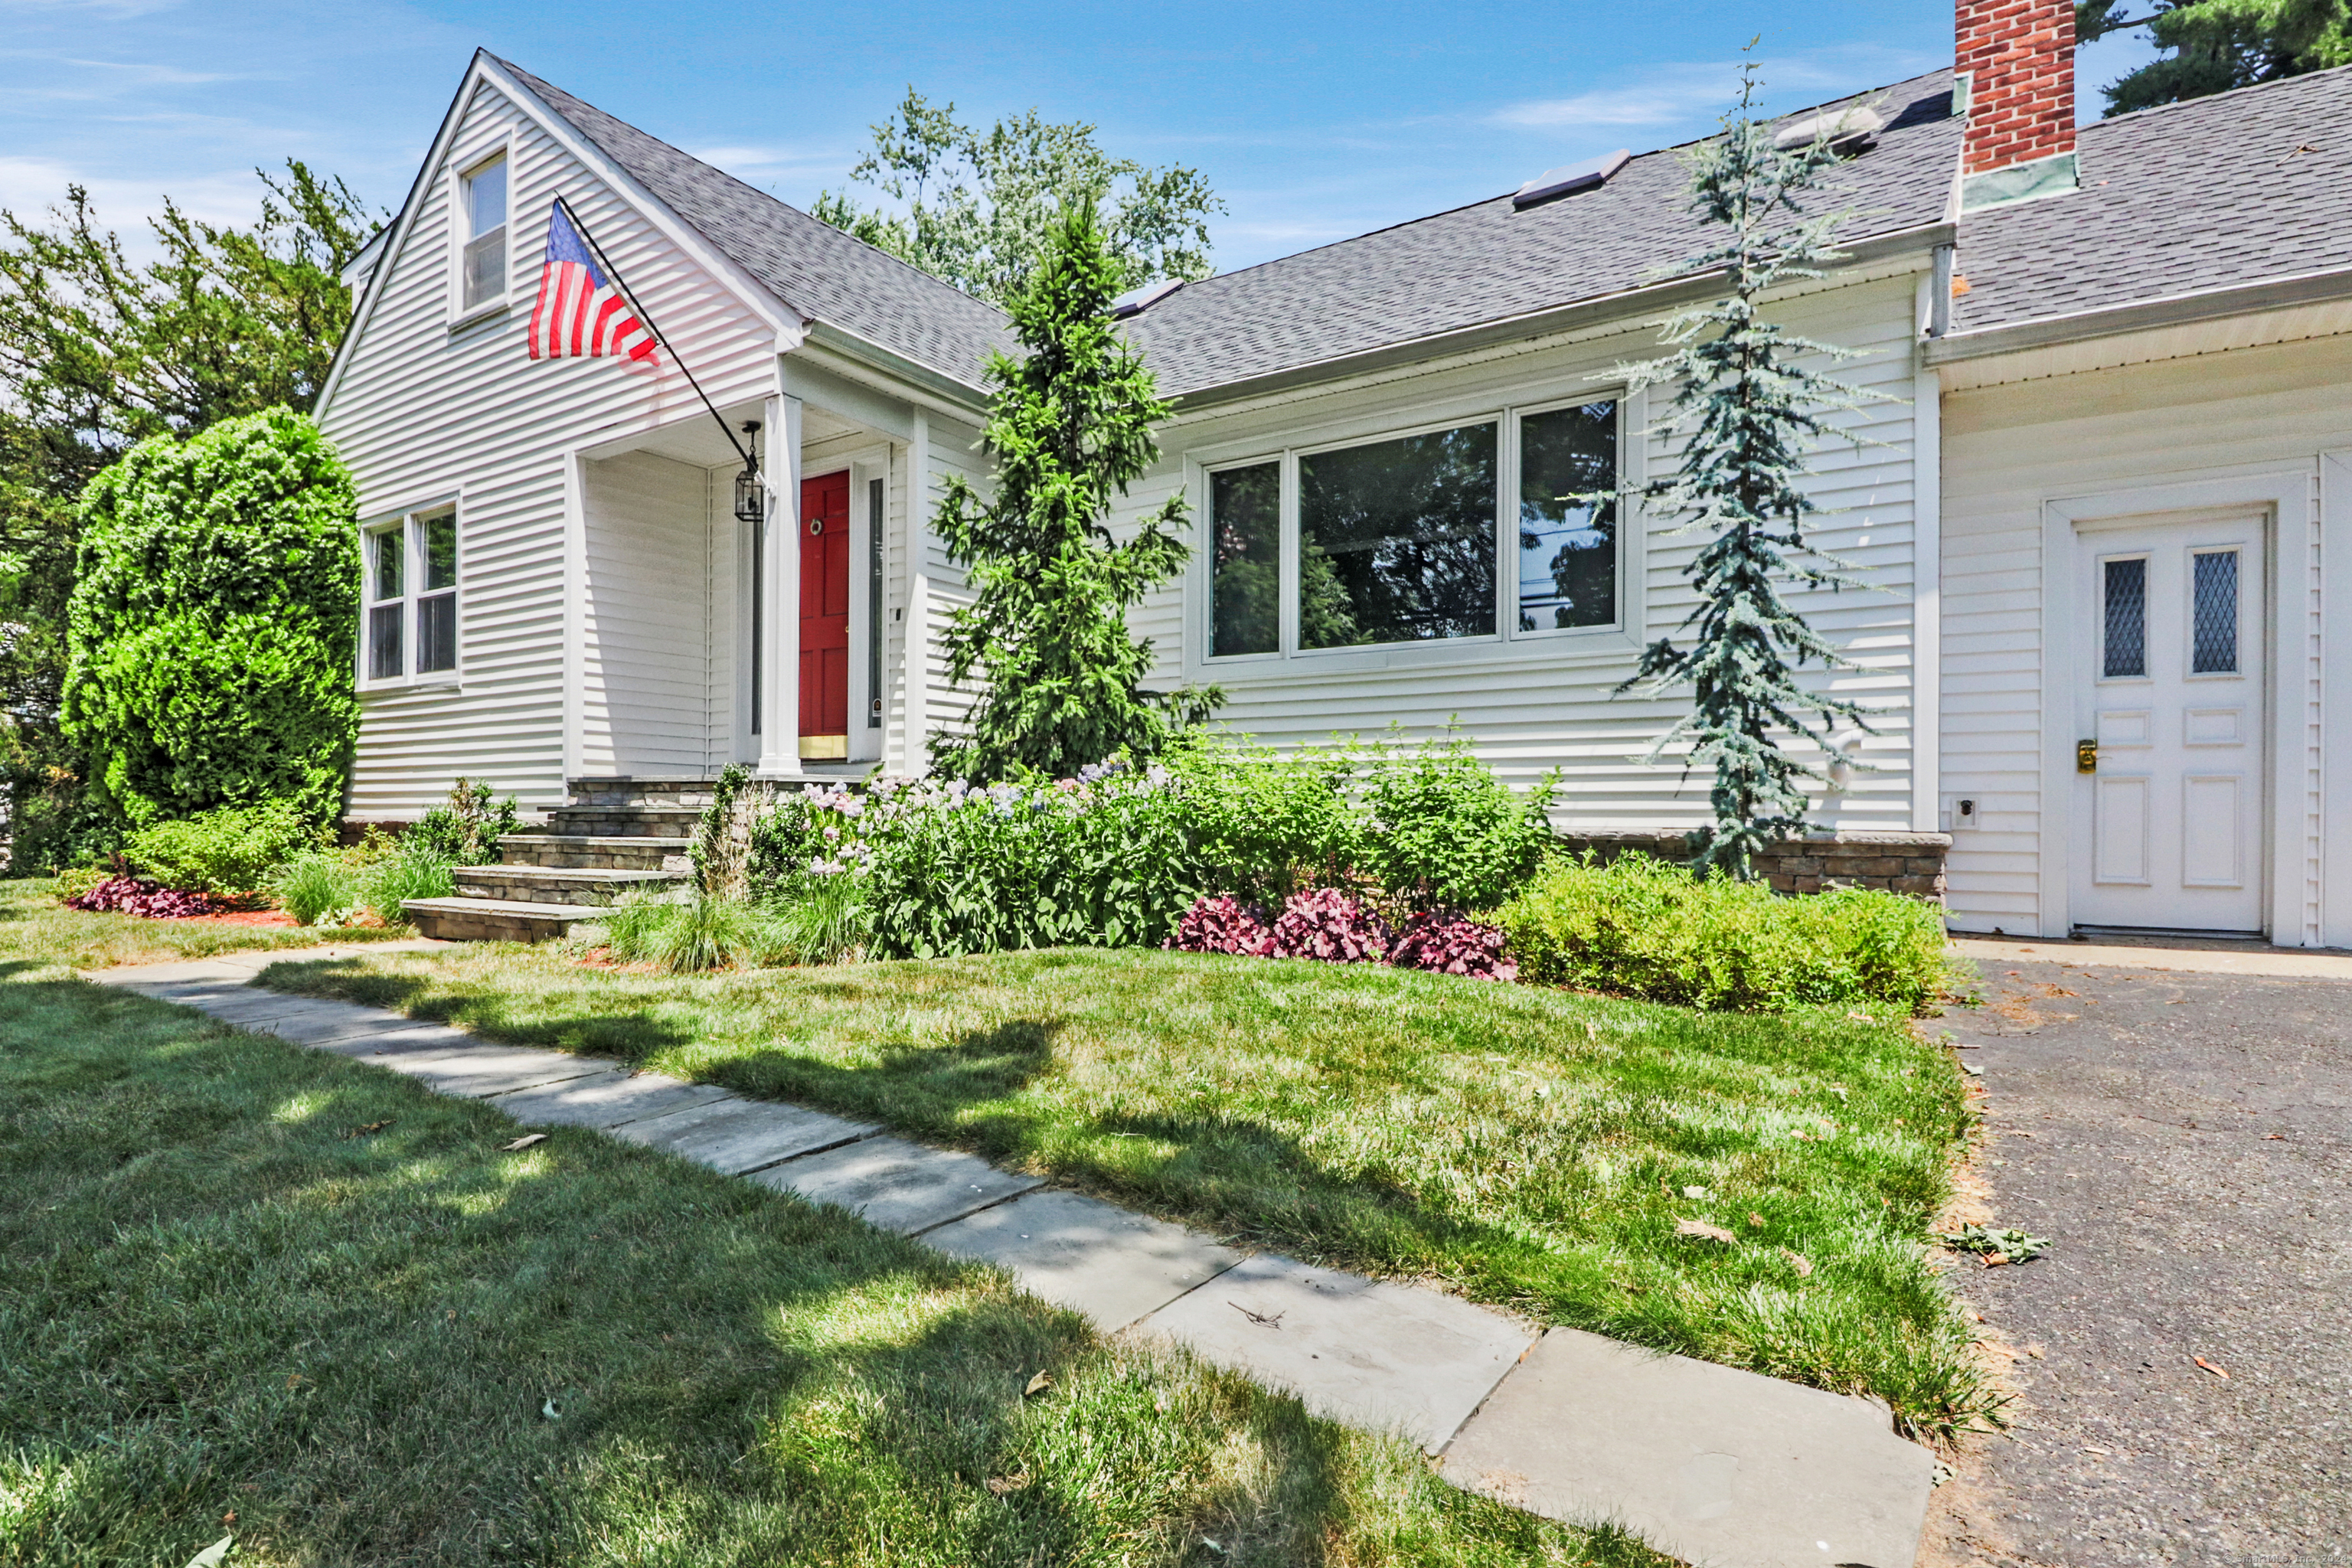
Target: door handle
x,y
2086,756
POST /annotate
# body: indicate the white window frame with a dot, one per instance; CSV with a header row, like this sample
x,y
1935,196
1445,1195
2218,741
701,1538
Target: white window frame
x,y
407,528
1506,644
461,178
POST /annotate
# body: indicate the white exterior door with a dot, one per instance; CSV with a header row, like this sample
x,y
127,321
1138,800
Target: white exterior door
x,y
2168,810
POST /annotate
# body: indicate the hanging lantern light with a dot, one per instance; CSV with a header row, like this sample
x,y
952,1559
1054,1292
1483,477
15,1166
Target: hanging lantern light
x,y
751,490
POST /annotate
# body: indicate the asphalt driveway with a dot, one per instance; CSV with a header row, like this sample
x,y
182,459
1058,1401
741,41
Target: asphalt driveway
x,y
2181,1138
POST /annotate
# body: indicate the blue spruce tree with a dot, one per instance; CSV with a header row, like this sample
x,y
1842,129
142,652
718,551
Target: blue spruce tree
x,y
1749,406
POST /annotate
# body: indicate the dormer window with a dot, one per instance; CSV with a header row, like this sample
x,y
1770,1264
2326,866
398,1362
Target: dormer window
x,y
482,265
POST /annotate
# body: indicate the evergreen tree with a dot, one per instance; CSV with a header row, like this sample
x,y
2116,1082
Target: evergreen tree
x,y
2211,46
1747,408
1069,426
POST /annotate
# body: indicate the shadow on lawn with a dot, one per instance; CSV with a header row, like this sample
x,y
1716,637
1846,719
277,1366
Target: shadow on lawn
x,y
734,1364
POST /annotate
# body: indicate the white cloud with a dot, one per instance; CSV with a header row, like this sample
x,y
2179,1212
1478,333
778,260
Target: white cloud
x,y
1691,91
29,187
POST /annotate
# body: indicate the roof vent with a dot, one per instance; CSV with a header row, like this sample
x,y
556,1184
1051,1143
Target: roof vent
x,y
1135,301
1554,184
1850,129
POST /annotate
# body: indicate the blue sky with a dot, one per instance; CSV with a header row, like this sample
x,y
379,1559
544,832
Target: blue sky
x,y
1313,122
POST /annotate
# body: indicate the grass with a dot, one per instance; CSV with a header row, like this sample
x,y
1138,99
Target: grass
x,y
34,925
257,1291
1526,1147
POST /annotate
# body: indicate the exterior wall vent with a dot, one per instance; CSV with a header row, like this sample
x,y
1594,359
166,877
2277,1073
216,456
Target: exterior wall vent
x,y
1554,184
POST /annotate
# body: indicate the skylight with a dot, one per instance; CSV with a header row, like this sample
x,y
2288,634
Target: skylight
x,y
1567,180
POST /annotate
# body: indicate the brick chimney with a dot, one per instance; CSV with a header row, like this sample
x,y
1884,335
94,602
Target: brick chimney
x,y
2016,64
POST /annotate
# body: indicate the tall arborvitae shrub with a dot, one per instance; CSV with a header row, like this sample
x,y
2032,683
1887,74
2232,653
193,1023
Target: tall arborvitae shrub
x,y
1747,408
1070,427
211,633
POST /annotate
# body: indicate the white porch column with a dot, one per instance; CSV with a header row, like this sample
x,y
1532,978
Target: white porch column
x,y
780,589
914,649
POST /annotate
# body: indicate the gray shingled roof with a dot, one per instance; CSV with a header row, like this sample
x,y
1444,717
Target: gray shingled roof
x,y
2189,196
809,264
1487,262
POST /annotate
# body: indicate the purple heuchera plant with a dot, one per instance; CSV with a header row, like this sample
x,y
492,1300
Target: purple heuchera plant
x,y
1325,923
1450,942
128,895
1223,925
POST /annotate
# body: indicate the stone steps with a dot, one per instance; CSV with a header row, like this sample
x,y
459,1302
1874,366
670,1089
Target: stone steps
x,y
597,887
495,919
609,850
613,837
623,821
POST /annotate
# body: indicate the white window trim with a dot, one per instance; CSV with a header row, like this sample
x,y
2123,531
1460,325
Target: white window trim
x,y
410,526
1504,647
461,314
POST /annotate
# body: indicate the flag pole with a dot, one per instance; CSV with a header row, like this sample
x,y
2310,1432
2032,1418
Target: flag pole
x,y
647,318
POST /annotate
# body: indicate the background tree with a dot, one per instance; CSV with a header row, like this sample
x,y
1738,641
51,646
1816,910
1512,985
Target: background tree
x,y
99,351
1070,427
212,625
1747,408
2212,45
978,208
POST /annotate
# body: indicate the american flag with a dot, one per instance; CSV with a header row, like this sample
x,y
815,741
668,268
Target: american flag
x,y
579,311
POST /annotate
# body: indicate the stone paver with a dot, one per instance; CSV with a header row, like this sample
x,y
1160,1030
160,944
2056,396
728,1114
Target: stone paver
x,y
1370,1352
477,1070
1718,1464
738,1136
1705,1462
606,1099
1109,1263
896,1185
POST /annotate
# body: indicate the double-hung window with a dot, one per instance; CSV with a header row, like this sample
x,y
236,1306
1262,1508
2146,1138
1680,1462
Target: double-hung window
x,y
1499,528
411,622
482,217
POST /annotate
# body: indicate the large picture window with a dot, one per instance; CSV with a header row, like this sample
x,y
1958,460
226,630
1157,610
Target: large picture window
x,y
411,625
1396,539
1403,539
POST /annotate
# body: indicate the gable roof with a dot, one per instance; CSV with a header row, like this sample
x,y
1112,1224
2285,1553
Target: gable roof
x,y
825,275
1490,262
2209,193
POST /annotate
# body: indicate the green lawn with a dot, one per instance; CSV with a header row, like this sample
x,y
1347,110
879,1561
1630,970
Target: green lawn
x,y
34,925
244,1279
1522,1146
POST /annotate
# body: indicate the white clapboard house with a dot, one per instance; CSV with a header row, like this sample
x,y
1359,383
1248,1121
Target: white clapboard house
x,y
2098,510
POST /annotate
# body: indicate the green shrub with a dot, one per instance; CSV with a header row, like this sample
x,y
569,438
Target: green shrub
x,y
1443,831
1641,927
412,874
317,889
689,936
231,850
213,617
1265,825
76,881
465,831
1100,862
822,920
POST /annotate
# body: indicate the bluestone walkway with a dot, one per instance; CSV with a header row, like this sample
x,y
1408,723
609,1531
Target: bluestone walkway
x,y
1716,1465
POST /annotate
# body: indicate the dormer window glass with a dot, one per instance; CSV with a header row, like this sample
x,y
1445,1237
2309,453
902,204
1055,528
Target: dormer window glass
x,y
483,266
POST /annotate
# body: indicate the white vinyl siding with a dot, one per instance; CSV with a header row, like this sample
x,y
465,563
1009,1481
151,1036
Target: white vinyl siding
x,y
1531,703
647,678
422,411
2011,448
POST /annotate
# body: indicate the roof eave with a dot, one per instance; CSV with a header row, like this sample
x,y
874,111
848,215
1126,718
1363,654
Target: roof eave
x,y
873,356
2141,315
1574,316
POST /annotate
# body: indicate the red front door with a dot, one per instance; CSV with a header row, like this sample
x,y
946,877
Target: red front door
x,y
824,616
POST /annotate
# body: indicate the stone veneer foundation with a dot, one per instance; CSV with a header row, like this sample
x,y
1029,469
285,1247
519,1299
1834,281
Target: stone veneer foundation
x,y
1896,862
